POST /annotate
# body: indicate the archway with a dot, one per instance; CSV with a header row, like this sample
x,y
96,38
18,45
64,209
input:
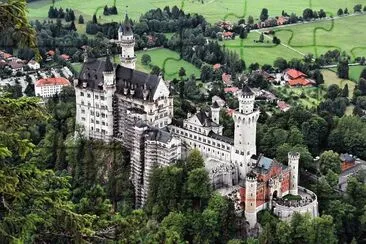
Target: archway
x,y
275,193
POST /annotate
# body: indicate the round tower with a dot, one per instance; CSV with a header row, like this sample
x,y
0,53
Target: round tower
x,y
251,199
215,113
245,131
126,41
293,163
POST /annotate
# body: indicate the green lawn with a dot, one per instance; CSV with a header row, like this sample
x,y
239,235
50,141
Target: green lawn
x,y
346,34
355,72
212,10
331,77
262,53
172,63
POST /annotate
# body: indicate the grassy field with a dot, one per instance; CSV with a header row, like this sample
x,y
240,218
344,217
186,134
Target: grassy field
x,y
331,77
346,34
262,53
171,59
355,72
213,10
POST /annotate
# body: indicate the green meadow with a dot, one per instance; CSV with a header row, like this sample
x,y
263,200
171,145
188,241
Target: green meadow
x,y
213,10
167,59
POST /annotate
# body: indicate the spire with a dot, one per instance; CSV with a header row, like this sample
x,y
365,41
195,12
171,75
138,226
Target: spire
x,y
127,29
108,64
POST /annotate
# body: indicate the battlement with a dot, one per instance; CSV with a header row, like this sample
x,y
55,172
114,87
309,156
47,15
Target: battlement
x,y
292,156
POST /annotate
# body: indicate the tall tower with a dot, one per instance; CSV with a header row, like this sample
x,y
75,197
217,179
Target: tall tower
x,y
251,199
245,131
293,163
126,41
109,88
215,113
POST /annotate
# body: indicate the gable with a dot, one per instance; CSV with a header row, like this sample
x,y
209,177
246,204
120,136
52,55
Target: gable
x,y
194,120
161,90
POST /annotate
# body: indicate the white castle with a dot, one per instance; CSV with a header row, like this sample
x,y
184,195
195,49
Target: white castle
x,y
119,103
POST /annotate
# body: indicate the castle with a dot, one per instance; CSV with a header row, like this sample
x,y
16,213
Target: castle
x,y
119,103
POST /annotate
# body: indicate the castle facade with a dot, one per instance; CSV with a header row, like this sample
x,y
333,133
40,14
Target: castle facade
x,y
119,103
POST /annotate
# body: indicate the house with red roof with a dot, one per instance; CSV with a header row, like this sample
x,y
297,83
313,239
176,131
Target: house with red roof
x,y
296,78
48,87
65,57
226,78
227,35
282,20
283,106
216,66
232,90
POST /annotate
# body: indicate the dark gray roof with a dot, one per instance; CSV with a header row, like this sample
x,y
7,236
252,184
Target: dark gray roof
x,y
215,105
126,27
155,134
137,110
221,138
247,91
92,73
204,119
108,67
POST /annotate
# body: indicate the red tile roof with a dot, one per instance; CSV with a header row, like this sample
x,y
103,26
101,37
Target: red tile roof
x,y
228,34
52,82
226,78
65,57
293,73
216,66
231,89
301,81
283,106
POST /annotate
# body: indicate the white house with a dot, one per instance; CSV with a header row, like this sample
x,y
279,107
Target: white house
x,y
49,87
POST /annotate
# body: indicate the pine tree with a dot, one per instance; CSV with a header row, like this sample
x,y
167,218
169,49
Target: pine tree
x,y
81,19
95,21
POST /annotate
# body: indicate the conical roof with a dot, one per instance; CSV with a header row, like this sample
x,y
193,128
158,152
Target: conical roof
x,y
247,91
215,105
127,29
108,65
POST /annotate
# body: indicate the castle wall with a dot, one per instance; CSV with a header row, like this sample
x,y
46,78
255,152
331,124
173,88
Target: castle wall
x,y
209,147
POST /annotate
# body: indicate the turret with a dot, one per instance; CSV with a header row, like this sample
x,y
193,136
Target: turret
x,y
245,119
126,41
293,163
108,73
251,199
246,100
215,113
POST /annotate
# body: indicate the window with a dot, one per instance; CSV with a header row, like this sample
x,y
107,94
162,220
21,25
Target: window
x,y
82,102
88,95
96,96
102,98
103,115
82,94
82,119
103,123
91,112
83,111
92,120
97,121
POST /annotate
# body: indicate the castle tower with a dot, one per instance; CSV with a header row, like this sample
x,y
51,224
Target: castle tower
x,y
126,41
245,130
215,113
251,199
109,88
293,163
